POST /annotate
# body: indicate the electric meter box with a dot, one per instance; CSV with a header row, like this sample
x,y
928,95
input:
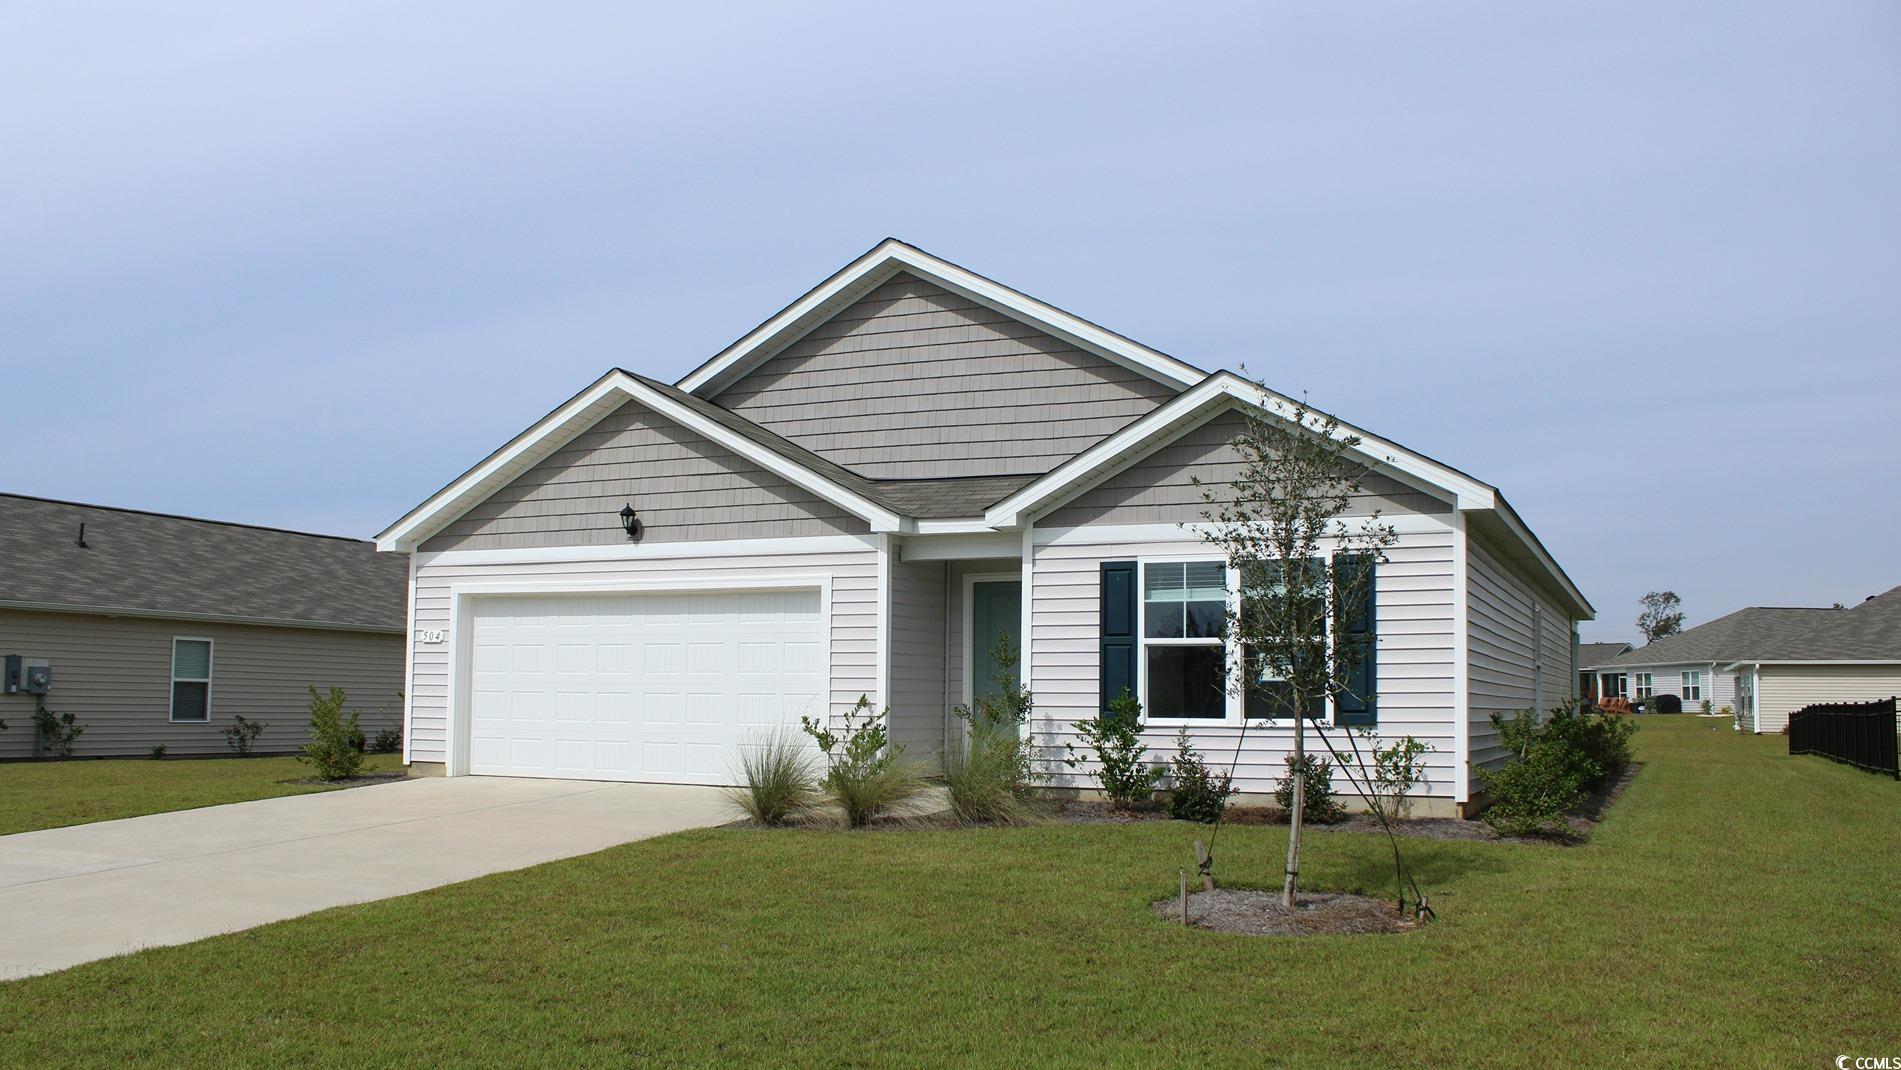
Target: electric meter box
x,y
24,675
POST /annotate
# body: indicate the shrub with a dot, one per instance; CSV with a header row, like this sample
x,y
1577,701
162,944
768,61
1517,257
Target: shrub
x,y
1002,717
1704,707
1196,792
1321,805
158,753
388,741
1122,766
1605,742
1553,763
984,777
242,735
1398,768
866,773
358,741
780,780
58,732
332,747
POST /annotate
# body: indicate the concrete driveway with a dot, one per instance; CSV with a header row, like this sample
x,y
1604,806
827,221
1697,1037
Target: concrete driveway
x,y
76,894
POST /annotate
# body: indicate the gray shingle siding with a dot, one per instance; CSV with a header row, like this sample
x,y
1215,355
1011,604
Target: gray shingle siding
x,y
1156,489
913,381
685,488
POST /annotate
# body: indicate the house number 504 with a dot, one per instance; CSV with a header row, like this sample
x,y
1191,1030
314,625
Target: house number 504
x,y
433,635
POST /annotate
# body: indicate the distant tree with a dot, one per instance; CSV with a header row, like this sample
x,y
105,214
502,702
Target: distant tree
x,y
1662,615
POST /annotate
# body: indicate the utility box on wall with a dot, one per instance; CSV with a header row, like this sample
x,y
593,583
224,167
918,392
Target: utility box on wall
x,y
24,675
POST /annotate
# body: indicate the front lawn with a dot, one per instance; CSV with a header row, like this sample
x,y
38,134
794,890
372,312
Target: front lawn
x,y
44,795
1736,907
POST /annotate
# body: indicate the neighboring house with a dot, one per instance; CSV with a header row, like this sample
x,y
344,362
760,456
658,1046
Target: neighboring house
x,y
1766,661
1590,657
858,496
158,630
1844,655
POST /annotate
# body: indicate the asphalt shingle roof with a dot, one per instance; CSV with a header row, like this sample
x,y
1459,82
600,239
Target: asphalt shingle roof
x,y
1869,631
1591,655
154,563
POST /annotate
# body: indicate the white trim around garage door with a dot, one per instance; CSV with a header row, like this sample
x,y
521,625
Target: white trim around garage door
x,y
463,595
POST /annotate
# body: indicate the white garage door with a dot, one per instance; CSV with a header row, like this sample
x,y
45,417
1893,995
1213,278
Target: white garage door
x,y
654,687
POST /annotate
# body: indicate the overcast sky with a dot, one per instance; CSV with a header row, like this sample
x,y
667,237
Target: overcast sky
x,y
1639,265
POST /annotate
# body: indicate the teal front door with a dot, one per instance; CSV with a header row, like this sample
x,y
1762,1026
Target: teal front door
x,y
996,608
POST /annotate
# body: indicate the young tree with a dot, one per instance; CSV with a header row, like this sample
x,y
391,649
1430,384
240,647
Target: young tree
x,y
1277,523
1661,616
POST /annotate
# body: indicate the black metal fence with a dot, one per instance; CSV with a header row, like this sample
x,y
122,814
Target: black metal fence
x,y
1862,734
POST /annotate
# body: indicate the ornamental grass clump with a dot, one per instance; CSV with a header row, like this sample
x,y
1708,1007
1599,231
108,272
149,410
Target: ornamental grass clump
x,y
981,778
866,773
779,782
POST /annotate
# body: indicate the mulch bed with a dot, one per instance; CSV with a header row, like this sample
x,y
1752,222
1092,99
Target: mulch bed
x,y
1258,913
361,781
1581,820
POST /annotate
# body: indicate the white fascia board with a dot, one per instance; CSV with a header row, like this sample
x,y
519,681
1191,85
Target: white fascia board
x,y
892,256
646,551
1218,389
489,476
1519,531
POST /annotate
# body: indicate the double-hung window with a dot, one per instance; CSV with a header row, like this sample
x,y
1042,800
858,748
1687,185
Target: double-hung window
x,y
191,679
1693,685
1645,687
1184,657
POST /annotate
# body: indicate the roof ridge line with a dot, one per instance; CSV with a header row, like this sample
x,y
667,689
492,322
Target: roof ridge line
x,y
182,516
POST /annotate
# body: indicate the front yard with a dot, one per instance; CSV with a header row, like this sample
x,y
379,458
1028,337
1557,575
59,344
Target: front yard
x,y
44,795
1735,907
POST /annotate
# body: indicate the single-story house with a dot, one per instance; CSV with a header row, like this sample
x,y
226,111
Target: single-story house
x,y
1590,657
157,630
859,495
1843,655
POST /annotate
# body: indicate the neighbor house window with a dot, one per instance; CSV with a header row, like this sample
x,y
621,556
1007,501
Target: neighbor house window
x,y
1693,686
1184,660
191,679
1644,687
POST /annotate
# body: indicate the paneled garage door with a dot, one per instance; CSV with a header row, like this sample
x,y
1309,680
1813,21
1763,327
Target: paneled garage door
x,y
654,687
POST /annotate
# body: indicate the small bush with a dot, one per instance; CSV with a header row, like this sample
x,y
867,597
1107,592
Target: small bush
x,y
779,780
158,753
388,741
1553,763
866,774
1122,766
358,741
1704,707
1004,715
1605,742
332,748
242,734
984,779
1398,768
1320,804
58,732
1196,792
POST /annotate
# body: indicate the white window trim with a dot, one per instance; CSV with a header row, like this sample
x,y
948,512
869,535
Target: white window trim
x,y
1643,685
1235,702
211,669
1691,680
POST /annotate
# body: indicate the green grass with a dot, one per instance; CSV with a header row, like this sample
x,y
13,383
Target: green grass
x,y
44,795
1736,907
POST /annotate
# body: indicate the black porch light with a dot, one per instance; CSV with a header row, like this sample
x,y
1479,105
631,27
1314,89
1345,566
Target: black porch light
x,y
630,521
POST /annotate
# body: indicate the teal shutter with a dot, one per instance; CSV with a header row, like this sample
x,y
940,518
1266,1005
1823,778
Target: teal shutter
x,y
1357,625
1118,619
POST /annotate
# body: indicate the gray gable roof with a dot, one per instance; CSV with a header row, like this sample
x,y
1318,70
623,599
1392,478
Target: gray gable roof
x,y
1591,655
1870,631
155,564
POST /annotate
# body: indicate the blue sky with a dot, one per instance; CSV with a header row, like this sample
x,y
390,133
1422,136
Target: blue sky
x,y
1638,265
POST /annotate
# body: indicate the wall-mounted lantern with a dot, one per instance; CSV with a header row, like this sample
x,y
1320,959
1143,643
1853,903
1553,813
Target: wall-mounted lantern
x,y
630,522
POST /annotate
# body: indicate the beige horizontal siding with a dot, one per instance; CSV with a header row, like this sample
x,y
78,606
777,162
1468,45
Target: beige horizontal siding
x,y
1159,488
1783,689
685,488
1415,625
853,616
913,381
114,674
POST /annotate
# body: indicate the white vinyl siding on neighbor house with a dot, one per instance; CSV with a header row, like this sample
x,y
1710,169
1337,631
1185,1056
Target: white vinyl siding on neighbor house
x,y
1513,630
852,615
1415,686
1784,689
